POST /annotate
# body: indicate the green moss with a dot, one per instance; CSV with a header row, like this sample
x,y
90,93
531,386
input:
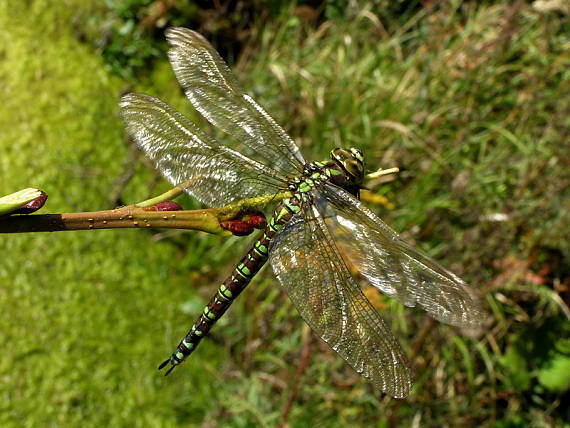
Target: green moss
x,y
87,316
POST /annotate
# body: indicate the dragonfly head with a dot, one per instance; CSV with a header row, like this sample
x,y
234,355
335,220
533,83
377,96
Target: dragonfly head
x,y
351,162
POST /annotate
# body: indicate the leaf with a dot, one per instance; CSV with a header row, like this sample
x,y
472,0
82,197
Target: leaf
x,y
517,369
555,375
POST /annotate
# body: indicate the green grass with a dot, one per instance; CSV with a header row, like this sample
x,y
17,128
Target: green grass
x,y
471,102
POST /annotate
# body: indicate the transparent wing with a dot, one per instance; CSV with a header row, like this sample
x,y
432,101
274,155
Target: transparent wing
x,y
394,267
211,172
310,269
214,91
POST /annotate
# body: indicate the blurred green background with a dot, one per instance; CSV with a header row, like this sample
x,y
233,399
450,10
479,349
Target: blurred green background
x,y
472,101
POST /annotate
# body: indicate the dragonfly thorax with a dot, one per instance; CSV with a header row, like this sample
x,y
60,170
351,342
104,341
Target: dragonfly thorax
x,y
345,169
314,174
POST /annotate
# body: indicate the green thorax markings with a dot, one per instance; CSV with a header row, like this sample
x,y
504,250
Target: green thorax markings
x,y
315,174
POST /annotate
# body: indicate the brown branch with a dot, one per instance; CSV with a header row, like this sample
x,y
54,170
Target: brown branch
x,y
207,220
238,218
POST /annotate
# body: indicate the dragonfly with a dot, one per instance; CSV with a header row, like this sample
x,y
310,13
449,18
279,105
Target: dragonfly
x,y
315,234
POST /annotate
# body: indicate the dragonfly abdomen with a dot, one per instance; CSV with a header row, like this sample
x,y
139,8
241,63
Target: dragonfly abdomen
x,y
234,284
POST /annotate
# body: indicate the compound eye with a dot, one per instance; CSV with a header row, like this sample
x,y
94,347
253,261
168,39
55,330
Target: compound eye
x,y
357,153
355,168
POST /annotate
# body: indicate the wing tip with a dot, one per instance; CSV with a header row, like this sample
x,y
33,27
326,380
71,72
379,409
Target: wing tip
x,y
399,388
128,99
178,36
476,319
137,100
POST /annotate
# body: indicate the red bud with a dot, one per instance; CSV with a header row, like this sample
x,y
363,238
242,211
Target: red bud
x,y
237,227
256,220
34,205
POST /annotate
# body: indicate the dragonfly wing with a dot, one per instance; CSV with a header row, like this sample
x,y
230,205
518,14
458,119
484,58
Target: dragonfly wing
x,y
310,269
211,172
396,268
214,91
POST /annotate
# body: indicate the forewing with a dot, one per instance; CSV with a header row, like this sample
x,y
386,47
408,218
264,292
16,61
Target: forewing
x,y
394,267
209,171
309,268
214,91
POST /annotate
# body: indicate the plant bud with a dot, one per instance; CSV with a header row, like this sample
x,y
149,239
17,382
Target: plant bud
x,y
34,205
237,227
256,220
